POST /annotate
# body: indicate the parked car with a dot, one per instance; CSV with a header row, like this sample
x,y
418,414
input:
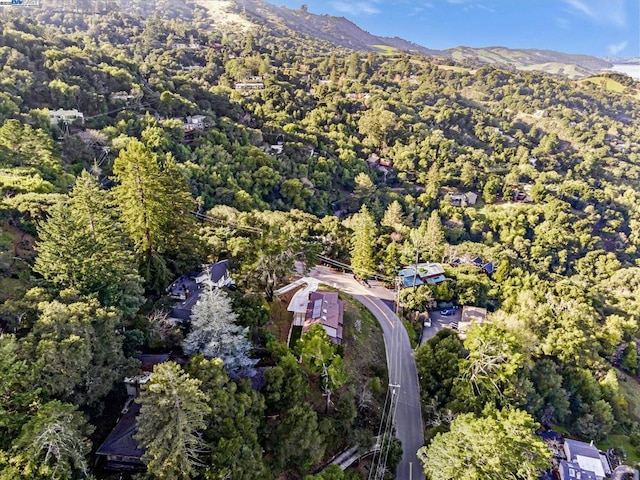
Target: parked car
x,y
427,322
448,311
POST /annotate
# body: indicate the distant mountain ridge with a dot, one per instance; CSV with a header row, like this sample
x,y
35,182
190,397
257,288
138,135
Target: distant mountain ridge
x,y
571,65
342,32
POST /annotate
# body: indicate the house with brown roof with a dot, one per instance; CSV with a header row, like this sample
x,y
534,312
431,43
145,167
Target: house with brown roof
x,y
325,309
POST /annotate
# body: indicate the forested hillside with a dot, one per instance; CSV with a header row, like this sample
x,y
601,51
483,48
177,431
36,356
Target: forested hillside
x,y
186,144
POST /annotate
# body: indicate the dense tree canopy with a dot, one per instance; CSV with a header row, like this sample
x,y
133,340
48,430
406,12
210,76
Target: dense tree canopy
x,y
378,161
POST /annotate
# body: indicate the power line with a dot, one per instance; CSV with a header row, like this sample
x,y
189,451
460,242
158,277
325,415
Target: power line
x,y
346,266
225,221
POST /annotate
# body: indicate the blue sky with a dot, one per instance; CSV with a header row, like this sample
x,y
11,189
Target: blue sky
x,y
594,27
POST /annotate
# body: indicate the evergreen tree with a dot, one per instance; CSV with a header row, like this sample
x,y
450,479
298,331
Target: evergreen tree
x,y
362,240
468,174
82,248
392,262
214,332
17,395
298,427
494,358
170,423
434,237
76,349
155,207
145,208
393,216
364,189
286,383
53,445
432,189
183,246
232,429
437,362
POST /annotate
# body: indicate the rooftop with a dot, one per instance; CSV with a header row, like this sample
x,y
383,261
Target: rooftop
x,y
325,308
188,287
426,273
120,442
587,457
572,471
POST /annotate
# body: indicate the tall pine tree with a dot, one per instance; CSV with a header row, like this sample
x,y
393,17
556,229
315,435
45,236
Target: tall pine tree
x,y
170,423
362,240
81,247
155,207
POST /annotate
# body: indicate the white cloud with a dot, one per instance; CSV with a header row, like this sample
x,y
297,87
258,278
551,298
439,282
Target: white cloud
x,y
581,6
616,48
612,12
355,8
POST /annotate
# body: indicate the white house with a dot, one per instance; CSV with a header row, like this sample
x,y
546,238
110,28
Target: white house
x,y
195,122
460,199
65,116
584,461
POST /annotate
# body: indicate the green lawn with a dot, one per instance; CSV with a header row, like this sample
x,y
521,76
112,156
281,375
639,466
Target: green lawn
x,y
387,50
280,319
455,68
631,389
608,84
622,441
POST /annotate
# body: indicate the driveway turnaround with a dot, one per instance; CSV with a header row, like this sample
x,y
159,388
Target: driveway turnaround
x,y
400,363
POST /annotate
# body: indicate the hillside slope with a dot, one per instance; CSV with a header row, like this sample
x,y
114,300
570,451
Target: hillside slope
x,y
570,65
342,32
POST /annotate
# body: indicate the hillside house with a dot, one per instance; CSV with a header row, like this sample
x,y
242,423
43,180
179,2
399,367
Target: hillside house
x,y
584,461
373,160
427,273
123,97
325,309
65,116
523,194
251,83
120,451
460,199
195,122
187,288
276,149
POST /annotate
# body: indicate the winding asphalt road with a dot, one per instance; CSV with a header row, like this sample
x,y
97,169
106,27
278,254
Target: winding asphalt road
x,y
400,362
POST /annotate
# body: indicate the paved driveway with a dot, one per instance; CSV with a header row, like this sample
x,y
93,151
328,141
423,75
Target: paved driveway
x,y
400,362
438,322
